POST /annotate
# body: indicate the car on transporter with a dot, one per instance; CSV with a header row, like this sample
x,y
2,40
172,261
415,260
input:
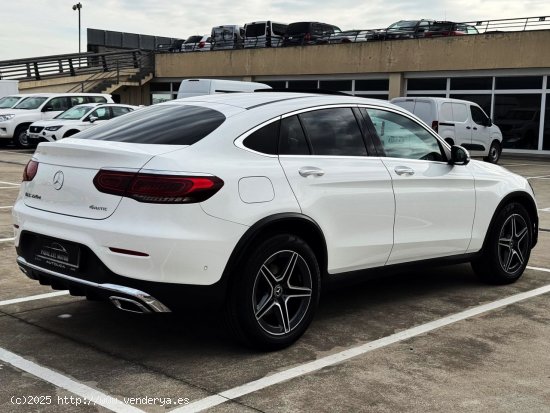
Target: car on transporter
x,y
74,120
252,199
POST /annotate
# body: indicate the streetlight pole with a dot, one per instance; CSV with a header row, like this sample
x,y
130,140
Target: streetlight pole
x,y
78,6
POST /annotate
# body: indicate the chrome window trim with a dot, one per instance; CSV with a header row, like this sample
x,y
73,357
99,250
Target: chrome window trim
x,y
239,141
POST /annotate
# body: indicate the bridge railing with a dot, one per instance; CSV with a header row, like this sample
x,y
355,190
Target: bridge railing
x,y
71,64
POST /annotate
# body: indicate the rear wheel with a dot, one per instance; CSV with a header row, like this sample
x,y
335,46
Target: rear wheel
x,y
274,299
20,137
507,248
494,153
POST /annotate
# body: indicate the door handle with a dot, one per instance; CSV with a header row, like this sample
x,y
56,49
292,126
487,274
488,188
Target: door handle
x,y
404,170
475,128
468,127
310,171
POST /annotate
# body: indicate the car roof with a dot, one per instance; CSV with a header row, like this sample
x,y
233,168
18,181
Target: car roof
x,y
435,99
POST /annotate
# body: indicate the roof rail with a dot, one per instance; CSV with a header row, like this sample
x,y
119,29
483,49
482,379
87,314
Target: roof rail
x,y
298,90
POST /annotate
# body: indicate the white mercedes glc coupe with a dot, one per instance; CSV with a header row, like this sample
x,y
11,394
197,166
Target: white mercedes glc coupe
x,y
250,200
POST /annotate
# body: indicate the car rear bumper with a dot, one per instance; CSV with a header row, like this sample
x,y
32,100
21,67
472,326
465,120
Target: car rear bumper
x,y
123,297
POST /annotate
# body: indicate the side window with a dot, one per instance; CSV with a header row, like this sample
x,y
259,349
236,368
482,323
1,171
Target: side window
x,y
101,113
57,104
264,140
403,138
460,112
334,132
119,110
292,140
77,100
96,99
477,115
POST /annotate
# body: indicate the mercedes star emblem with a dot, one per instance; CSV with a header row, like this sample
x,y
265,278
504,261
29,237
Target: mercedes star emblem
x,y
58,180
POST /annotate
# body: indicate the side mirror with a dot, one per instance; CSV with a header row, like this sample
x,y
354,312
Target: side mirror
x,y
488,122
92,119
459,156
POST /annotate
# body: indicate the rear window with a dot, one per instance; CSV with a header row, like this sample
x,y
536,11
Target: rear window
x,y
298,28
163,125
194,39
255,30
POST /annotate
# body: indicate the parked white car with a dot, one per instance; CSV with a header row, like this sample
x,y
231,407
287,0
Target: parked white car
x,y
459,122
248,200
74,120
10,101
15,121
197,43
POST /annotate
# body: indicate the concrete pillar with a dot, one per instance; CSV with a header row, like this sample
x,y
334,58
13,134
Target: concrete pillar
x,y
397,85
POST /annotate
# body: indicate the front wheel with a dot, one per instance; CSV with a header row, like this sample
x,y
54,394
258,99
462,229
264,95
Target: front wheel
x,y
494,153
507,248
274,298
20,137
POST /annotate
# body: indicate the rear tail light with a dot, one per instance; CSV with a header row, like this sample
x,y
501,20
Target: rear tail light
x,y
435,126
157,189
30,170
201,44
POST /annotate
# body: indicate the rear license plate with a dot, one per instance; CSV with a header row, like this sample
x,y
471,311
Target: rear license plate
x,y
57,254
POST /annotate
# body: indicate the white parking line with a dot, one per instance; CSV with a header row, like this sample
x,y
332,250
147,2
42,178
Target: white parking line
x,y
342,356
9,183
538,177
6,207
6,239
523,164
9,187
545,209
33,297
85,392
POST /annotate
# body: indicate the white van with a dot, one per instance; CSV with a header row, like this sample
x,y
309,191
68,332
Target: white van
x,y
459,122
227,37
264,34
198,87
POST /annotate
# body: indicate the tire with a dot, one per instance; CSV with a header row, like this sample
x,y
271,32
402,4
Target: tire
x,y
507,247
20,137
274,298
494,153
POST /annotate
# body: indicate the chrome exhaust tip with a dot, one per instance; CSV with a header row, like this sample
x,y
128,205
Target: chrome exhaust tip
x,y
127,304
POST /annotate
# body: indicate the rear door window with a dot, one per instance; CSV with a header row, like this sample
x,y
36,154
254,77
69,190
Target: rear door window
x,y
101,113
57,104
95,99
334,132
161,124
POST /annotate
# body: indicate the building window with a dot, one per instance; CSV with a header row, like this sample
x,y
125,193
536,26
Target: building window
x,y
371,96
518,117
374,85
519,82
433,95
439,83
546,136
471,83
275,84
302,84
337,85
160,87
160,97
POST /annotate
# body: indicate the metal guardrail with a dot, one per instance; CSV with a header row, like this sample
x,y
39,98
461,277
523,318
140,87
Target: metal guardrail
x,y
70,65
507,25
363,35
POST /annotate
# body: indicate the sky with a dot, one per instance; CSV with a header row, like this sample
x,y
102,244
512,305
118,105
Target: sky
x,y
31,28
